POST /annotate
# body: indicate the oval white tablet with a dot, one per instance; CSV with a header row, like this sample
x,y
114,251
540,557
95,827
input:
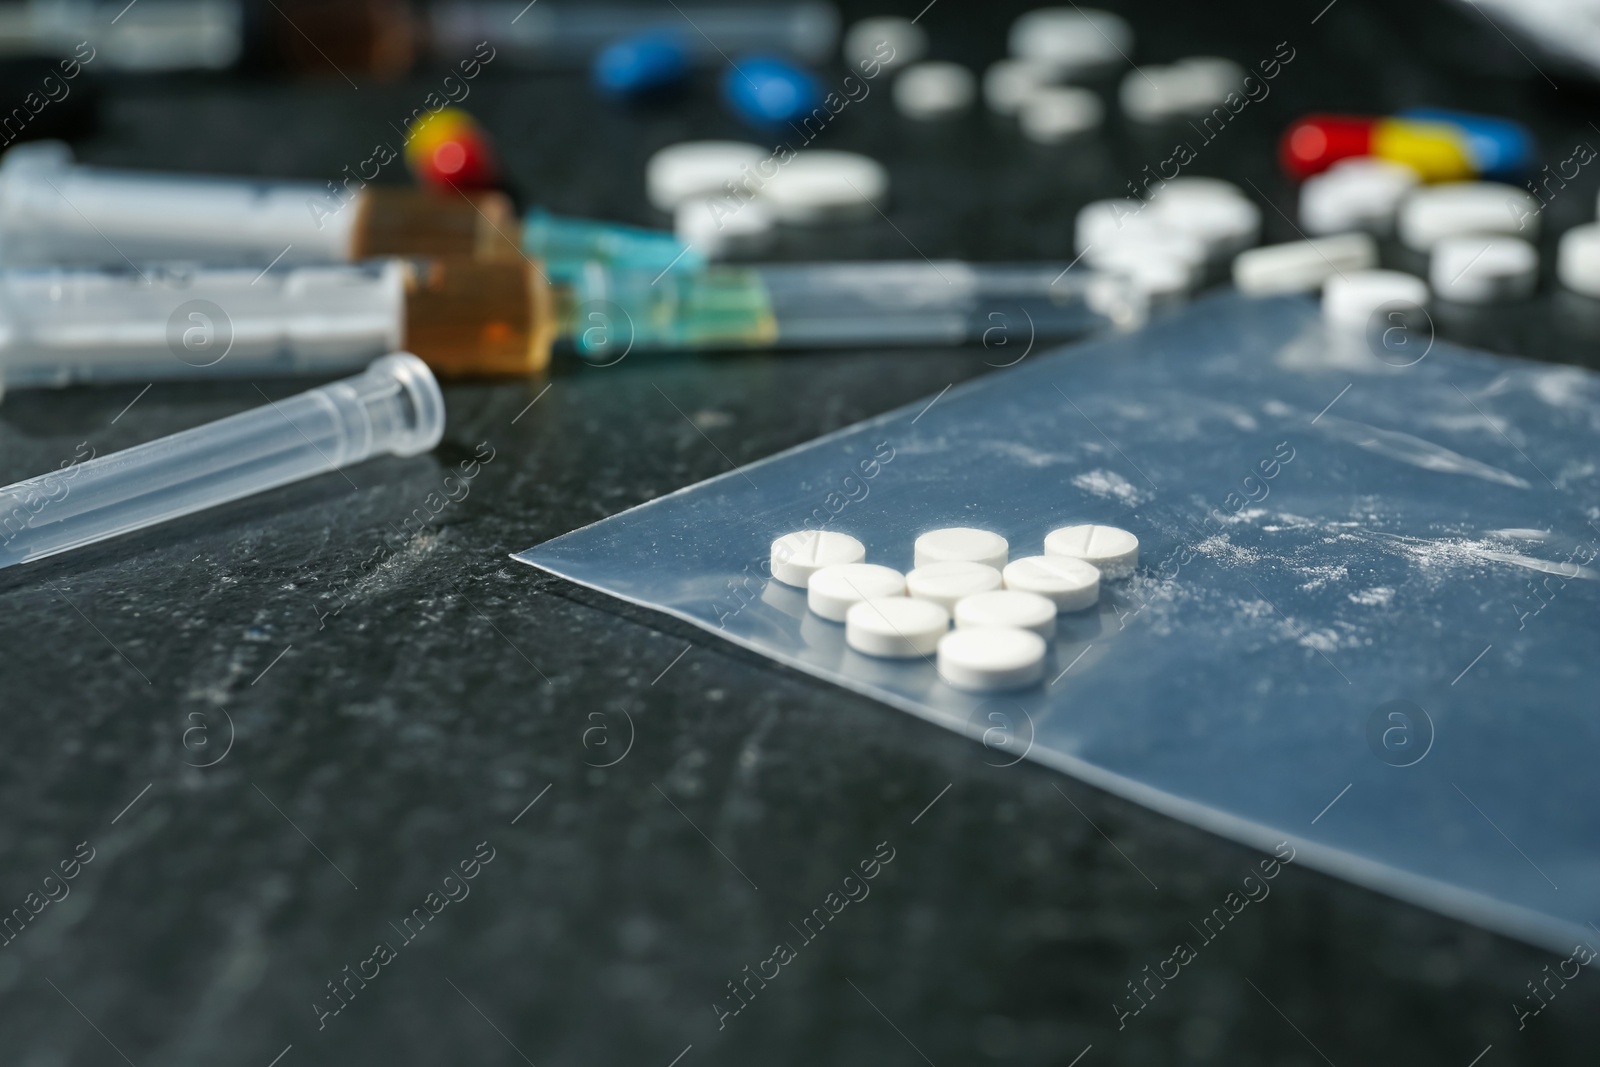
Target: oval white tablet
x,y
1350,300
961,543
1301,266
1197,187
1483,270
1157,276
1456,209
992,659
896,627
1074,40
797,556
693,169
1578,260
1071,584
886,40
931,91
833,590
1007,83
1055,113
1101,223
1195,86
948,582
1009,608
1361,193
1115,552
1224,224
819,185
723,226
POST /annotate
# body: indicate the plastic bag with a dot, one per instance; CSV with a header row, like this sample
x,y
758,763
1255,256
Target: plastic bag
x,y
1365,616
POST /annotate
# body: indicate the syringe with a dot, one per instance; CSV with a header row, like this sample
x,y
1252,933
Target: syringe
x,y
54,212
393,407
464,318
1006,307
566,33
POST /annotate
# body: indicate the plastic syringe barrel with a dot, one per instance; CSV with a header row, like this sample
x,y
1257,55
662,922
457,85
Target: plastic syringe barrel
x,y
65,326
820,305
393,407
54,211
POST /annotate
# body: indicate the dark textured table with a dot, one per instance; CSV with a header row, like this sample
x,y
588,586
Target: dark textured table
x,y
274,759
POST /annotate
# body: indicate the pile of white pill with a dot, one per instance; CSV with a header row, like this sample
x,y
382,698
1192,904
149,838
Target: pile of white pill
x,y
1004,610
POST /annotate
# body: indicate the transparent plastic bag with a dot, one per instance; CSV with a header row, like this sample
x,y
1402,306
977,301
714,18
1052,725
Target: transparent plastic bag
x,y
1365,616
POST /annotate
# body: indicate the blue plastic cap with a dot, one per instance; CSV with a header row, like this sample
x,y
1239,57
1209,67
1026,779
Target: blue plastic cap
x,y
1499,148
769,91
644,63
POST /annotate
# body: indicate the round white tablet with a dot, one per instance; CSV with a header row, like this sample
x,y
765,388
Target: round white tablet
x,y
1190,87
1114,551
1055,113
1224,224
1483,270
1361,193
833,589
1102,222
931,91
723,226
1127,248
1349,300
963,543
1192,188
820,184
897,627
1071,584
1456,209
1578,260
1074,40
797,556
1157,276
694,169
1009,608
1302,266
992,659
946,583
1007,83
887,40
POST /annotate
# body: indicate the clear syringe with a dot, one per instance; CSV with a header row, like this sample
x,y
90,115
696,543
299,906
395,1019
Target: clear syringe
x,y
608,313
393,407
93,326
55,212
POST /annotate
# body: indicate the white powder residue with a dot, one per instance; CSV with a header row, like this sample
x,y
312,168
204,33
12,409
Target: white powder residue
x,y
1317,577
1109,484
1219,548
1378,596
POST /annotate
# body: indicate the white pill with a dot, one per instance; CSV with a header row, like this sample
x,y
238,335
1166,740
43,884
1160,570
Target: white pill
x,y
931,91
1456,209
1362,193
832,590
1114,551
1070,583
1009,608
693,169
819,185
1101,222
1578,259
1055,113
991,660
962,543
1157,275
723,226
948,582
1146,240
1074,40
897,627
1009,82
1350,300
1197,188
1224,224
797,556
1191,87
888,41
1483,270
1302,266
